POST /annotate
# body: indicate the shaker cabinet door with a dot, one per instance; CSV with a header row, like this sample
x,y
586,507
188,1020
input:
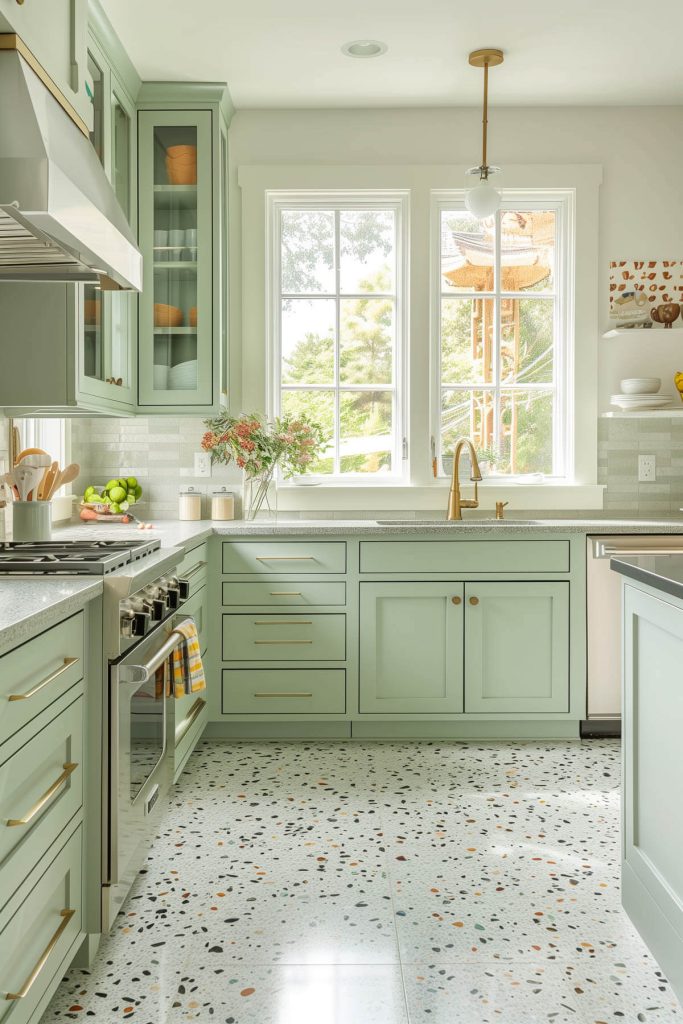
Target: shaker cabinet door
x,y
517,647
411,651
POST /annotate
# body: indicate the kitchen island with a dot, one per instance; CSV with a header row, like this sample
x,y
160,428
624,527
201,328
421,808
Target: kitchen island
x,y
652,808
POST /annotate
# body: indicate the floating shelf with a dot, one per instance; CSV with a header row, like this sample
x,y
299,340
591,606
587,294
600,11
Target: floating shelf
x,y
624,332
675,412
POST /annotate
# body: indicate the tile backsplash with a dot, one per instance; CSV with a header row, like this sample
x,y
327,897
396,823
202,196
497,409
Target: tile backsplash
x,y
159,450
620,442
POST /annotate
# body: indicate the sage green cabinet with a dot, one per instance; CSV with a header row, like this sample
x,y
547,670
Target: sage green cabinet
x,y
652,818
182,151
56,34
411,648
516,647
107,321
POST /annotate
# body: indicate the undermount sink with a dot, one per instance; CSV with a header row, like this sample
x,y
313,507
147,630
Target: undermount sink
x,y
459,522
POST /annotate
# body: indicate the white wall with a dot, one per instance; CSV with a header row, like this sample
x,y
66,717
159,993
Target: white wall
x,y
640,149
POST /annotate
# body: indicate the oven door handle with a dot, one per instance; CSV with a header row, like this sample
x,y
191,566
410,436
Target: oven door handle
x,y
141,673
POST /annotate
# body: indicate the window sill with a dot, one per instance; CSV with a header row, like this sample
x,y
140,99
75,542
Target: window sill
x,y
399,497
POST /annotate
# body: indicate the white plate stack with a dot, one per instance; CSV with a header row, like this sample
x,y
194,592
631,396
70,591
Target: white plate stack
x,y
183,376
638,393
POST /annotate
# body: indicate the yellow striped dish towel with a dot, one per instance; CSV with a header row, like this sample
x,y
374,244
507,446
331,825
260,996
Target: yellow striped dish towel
x,y
188,671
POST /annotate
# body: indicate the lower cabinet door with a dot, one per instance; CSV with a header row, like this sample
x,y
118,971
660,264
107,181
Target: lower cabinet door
x,y
37,929
411,648
517,647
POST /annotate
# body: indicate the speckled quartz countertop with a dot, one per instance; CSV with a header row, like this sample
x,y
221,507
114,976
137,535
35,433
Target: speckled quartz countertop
x,y
173,533
28,605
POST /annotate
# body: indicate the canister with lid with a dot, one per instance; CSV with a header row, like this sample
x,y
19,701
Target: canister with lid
x,y
190,504
222,504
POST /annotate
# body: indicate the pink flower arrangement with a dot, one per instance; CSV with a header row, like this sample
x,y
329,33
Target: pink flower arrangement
x,y
258,446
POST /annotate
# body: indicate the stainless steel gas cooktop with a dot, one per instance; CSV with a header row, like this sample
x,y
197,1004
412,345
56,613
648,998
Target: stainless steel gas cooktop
x,y
76,557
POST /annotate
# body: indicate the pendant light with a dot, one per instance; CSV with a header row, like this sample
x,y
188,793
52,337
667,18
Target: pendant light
x,y
483,199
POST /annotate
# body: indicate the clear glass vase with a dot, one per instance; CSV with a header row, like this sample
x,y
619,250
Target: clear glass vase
x,y
259,496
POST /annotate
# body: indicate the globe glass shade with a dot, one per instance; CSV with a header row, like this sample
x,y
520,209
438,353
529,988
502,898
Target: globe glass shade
x,y
482,200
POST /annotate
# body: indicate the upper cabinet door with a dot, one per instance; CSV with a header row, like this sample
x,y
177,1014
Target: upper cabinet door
x,y
176,346
517,647
411,653
107,328
56,34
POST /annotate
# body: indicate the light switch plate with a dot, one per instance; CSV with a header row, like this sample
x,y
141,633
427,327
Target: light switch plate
x,y
647,468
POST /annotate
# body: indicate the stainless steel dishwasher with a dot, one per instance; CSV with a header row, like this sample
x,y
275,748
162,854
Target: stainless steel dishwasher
x,y
603,623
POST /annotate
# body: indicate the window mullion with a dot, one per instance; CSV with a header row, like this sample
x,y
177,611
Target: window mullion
x,y
337,327
497,328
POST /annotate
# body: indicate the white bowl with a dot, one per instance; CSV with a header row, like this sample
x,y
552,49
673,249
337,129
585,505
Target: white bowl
x,y
183,377
640,385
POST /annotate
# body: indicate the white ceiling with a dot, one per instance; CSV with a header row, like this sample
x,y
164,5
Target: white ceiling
x,y
286,53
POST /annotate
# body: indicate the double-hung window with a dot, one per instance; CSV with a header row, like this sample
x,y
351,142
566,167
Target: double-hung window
x,y
502,346
337,325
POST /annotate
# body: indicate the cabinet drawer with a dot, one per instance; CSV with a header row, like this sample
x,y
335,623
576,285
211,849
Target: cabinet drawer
x,y
194,568
37,673
284,593
197,607
41,788
465,556
290,557
268,637
287,691
37,930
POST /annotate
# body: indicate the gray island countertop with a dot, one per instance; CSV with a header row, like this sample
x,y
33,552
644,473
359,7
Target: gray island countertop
x,y
661,572
31,603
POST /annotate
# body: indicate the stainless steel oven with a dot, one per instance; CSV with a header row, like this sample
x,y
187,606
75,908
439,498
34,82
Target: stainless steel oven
x,y
138,761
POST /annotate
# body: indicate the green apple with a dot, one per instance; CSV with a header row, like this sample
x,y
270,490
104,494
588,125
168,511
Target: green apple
x,y
123,505
132,483
138,492
88,491
115,508
117,494
130,497
109,487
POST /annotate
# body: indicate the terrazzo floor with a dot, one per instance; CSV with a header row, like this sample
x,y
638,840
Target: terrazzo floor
x,y
387,883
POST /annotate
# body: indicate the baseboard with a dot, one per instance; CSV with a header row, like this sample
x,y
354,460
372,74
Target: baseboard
x,y
393,730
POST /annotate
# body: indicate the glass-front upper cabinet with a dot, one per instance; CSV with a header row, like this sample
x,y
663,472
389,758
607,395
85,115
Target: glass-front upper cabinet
x,y
176,365
108,322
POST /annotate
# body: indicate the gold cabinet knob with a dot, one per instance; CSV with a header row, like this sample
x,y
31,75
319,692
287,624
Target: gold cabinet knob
x,y
474,600
456,600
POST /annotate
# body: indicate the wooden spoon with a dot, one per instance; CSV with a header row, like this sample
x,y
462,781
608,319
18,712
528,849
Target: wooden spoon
x,y
28,451
66,476
47,482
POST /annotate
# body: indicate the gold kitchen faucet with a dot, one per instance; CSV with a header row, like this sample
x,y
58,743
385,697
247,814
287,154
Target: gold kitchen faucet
x,y
455,502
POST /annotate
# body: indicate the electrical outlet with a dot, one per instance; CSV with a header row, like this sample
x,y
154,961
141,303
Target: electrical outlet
x,y
646,469
202,464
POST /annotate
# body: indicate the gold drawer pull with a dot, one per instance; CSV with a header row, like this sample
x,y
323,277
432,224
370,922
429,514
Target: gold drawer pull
x,y
68,662
66,916
189,720
474,600
285,622
261,642
285,558
456,600
293,694
286,593
69,768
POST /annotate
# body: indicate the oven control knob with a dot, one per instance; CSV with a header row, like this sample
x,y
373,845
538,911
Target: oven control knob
x,y
171,588
156,602
127,621
141,623
184,586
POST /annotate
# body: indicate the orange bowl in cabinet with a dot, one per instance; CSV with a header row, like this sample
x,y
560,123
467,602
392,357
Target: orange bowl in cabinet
x,y
192,317
167,316
181,173
178,152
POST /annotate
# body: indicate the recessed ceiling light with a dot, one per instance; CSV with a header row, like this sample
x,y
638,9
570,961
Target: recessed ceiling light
x,y
364,48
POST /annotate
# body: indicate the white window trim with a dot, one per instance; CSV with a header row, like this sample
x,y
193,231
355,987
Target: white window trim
x,y
562,201
306,199
248,283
